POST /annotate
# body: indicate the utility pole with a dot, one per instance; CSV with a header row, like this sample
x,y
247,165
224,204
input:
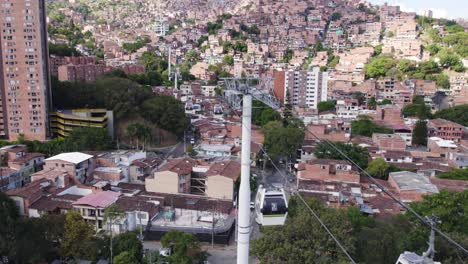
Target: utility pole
x,y
185,147
212,227
169,63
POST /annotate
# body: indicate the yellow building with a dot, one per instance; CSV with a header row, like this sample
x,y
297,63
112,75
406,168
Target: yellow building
x,y
64,121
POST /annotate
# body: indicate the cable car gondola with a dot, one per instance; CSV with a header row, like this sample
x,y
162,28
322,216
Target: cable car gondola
x,y
271,207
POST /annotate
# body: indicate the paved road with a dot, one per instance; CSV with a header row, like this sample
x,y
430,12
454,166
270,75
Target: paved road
x,y
218,254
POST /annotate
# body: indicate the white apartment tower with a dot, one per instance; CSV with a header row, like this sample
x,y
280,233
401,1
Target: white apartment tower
x,y
305,88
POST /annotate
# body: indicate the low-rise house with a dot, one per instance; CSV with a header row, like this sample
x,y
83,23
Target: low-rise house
x,y
91,207
20,164
327,170
332,181
59,203
174,176
396,156
441,147
137,211
191,176
140,169
445,129
458,160
78,165
215,150
389,142
221,178
115,166
410,186
29,194
327,133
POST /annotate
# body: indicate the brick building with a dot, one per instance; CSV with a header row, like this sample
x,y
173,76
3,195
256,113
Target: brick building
x,y
24,72
445,129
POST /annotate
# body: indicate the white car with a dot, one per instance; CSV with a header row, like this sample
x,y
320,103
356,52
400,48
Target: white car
x,y
165,252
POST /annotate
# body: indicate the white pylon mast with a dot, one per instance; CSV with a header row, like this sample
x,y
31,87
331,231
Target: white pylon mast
x,y
243,218
236,87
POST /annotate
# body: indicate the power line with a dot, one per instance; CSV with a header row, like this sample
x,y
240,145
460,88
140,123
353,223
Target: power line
x,y
409,209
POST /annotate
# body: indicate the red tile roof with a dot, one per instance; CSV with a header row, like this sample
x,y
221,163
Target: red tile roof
x,y
229,168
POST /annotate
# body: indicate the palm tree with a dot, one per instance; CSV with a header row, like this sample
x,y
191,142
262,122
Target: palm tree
x,y
140,132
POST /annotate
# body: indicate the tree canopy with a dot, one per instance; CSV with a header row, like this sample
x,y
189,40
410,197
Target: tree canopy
x,y
417,108
282,142
379,66
326,106
262,114
368,240
302,239
358,154
420,133
456,114
185,247
455,174
364,126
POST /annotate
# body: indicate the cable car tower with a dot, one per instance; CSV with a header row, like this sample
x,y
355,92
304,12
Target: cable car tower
x,y
239,92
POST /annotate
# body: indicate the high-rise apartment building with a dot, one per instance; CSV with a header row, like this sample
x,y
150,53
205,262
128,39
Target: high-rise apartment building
x,y
304,88
24,73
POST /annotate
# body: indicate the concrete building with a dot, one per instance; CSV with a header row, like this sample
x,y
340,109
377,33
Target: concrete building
x,y
64,121
91,207
191,176
305,88
411,186
78,165
24,73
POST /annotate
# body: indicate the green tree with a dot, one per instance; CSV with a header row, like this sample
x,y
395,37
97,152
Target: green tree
x,y
356,153
282,142
433,49
364,126
62,50
446,205
88,138
455,174
420,133
76,236
125,258
378,50
8,223
228,60
139,132
456,114
303,240
379,66
130,243
442,80
262,114
378,168
372,103
418,108
326,106
335,16
167,112
185,247
406,66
